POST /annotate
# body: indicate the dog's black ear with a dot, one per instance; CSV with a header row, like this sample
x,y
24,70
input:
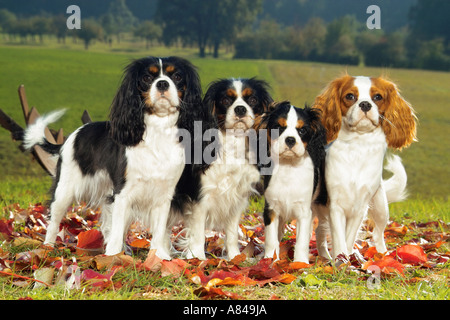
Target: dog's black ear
x,y
316,145
127,110
193,92
263,89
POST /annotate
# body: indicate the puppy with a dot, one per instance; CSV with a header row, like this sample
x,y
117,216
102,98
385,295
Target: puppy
x,y
296,140
225,186
363,117
130,164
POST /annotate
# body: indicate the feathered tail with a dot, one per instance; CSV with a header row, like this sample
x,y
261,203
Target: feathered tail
x,y
35,133
395,186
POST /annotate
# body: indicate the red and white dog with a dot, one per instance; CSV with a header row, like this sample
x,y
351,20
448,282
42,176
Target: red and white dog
x,y
363,117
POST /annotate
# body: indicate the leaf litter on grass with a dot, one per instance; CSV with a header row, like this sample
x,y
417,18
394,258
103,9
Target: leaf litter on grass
x,y
76,261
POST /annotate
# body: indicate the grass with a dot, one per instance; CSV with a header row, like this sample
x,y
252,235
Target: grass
x,y
66,76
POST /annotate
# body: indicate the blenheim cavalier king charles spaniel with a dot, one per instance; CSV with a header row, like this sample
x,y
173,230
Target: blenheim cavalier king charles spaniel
x,y
130,165
363,117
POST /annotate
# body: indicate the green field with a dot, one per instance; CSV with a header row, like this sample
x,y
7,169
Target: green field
x,y
69,77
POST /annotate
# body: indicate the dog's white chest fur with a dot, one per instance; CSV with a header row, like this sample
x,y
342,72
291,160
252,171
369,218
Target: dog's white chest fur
x,y
156,163
291,184
230,179
354,166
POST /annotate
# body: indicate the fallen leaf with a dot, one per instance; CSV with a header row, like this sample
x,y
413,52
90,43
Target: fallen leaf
x,y
140,243
91,239
44,277
6,229
395,229
387,265
173,267
411,254
371,251
152,262
97,279
120,259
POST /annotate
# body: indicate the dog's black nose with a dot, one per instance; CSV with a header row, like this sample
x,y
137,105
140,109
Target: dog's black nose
x,y
365,106
162,85
290,142
240,111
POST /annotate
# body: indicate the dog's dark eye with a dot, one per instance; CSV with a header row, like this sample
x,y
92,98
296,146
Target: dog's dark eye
x,y
377,97
147,78
252,101
301,131
350,96
176,77
226,102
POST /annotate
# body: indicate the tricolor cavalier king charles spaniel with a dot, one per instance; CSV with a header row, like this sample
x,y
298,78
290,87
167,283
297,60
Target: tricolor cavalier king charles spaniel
x,y
130,165
296,143
225,186
363,117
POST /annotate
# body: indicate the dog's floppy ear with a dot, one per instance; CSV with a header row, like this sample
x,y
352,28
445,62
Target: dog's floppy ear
x,y
329,103
193,92
316,145
127,110
398,119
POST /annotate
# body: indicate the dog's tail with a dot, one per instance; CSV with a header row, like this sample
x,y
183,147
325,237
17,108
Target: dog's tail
x,y
35,133
395,186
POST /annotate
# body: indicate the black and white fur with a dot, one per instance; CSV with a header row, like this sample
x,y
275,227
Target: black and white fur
x,y
226,185
296,139
130,165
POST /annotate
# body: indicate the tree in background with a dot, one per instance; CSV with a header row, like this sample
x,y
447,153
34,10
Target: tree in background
x,y
150,31
205,22
428,44
89,31
117,19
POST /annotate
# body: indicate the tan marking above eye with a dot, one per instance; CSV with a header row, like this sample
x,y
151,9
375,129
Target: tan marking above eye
x,y
170,68
300,124
247,92
231,93
282,122
153,69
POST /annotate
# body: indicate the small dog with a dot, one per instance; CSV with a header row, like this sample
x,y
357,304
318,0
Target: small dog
x,y
224,188
296,140
363,117
131,164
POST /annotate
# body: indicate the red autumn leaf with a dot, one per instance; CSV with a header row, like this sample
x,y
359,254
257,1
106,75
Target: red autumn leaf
x,y
263,270
173,267
153,262
6,227
97,279
411,254
91,239
387,264
370,252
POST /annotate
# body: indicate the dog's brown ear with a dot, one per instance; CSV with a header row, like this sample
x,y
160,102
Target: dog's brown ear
x,y
329,102
398,119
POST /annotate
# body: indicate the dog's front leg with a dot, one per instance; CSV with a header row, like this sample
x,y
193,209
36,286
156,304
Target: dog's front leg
x,y
158,227
338,226
303,235
119,222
